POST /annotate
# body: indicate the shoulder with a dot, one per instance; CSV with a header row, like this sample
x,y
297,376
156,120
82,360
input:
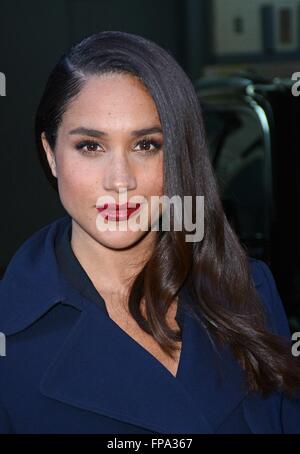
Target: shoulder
x,y
270,297
31,282
289,408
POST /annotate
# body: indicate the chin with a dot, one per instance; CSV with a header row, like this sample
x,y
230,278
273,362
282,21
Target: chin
x,y
120,240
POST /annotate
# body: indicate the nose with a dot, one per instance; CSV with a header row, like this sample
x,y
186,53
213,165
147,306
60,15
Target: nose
x,y
119,174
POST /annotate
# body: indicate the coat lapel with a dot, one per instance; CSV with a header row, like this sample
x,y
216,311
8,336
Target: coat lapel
x,y
102,369
211,375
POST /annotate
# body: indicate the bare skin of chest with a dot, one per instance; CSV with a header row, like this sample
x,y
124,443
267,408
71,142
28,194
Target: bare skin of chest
x,y
125,321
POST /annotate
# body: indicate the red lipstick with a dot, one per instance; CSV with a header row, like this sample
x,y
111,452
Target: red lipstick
x,y
118,212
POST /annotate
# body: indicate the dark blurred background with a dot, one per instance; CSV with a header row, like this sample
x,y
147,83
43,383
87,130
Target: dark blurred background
x,y
242,58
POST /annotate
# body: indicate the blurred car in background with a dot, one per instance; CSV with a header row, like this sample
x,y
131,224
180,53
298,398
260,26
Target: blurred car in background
x,y
252,131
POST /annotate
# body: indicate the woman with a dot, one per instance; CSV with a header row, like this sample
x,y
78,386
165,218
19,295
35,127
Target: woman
x,y
137,330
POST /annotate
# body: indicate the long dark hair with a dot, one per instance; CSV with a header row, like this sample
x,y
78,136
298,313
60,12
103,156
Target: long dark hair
x,y
216,270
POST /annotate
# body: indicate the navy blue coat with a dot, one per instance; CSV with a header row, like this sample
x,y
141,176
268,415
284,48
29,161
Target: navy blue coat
x,y
69,368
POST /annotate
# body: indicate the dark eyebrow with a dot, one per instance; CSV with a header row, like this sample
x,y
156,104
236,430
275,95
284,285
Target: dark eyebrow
x,y
87,132
96,133
145,131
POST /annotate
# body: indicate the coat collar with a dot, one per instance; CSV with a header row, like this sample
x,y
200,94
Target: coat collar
x,y
119,378
32,283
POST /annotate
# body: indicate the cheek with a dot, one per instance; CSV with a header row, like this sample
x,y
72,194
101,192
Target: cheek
x,y
152,179
76,180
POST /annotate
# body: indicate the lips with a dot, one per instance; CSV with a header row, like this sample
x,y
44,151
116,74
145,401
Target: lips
x,y
117,212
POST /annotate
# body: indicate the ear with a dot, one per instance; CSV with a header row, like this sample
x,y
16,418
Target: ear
x,y
49,153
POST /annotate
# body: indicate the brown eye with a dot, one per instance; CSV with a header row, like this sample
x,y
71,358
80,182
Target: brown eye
x,y
91,147
88,147
149,145
146,144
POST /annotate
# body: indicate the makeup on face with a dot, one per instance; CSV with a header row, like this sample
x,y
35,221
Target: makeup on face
x,y
118,212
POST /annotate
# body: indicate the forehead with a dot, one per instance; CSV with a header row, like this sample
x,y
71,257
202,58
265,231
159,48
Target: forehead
x,y
110,100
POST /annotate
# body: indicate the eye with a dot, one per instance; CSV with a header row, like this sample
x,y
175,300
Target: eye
x,y
146,145
88,147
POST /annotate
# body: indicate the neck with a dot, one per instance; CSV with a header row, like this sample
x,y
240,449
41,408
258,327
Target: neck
x,y
110,270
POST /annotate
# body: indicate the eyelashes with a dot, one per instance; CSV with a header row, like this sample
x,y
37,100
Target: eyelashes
x,y
93,148
87,143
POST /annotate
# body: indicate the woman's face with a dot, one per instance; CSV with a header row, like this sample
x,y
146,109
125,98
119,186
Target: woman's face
x,y
89,164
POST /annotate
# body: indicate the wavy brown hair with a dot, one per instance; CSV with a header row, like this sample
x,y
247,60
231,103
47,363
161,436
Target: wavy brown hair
x,y
216,270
